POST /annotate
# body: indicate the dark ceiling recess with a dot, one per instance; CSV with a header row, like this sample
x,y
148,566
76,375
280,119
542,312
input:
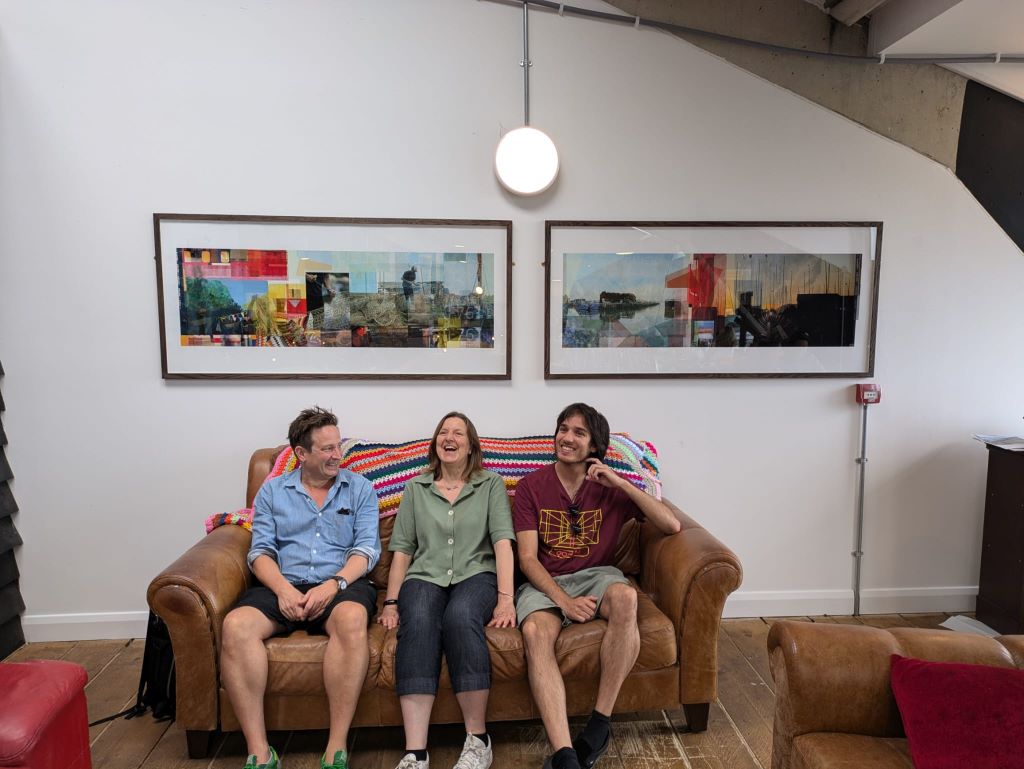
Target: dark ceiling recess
x,y
990,155
11,604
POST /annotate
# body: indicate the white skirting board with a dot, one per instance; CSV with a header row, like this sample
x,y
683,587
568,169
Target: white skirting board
x,y
84,627
815,603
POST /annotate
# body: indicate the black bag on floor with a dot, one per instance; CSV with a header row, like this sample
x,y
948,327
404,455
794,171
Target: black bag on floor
x,y
157,681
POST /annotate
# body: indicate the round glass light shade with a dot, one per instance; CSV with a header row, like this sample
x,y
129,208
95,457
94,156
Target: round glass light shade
x,y
526,161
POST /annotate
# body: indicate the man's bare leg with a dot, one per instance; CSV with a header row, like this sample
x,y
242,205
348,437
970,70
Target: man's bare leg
x,y
619,650
243,660
540,631
621,644
345,663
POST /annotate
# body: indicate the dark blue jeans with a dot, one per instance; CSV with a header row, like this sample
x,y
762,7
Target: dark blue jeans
x,y
432,618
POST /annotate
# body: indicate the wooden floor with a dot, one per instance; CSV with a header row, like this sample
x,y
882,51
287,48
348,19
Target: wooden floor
x,y
739,731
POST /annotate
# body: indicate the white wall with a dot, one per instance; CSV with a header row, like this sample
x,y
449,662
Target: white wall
x,y
111,110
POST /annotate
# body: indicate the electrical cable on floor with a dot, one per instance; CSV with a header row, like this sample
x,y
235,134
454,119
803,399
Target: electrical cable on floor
x,y
636,21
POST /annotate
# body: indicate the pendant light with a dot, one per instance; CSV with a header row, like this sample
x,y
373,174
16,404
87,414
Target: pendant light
x,y
526,161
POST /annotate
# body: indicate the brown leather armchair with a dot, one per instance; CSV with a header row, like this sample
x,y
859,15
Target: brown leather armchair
x,y
834,706
683,581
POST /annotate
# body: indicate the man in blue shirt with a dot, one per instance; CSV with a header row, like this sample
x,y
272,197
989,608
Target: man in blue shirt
x,y
314,538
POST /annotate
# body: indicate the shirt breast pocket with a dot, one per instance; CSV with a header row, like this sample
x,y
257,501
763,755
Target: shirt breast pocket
x,y
340,524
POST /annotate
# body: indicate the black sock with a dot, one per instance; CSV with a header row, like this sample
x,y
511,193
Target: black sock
x,y
565,758
483,738
596,730
421,755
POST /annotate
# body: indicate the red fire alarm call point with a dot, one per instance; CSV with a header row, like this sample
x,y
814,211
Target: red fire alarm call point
x,y
868,394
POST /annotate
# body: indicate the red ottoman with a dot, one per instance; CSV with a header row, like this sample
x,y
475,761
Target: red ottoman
x,y
43,720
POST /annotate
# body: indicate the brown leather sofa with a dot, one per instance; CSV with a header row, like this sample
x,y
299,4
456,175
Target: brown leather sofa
x,y
684,581
834,706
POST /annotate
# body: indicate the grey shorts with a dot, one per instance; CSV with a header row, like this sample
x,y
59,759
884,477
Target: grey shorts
x,y
593,581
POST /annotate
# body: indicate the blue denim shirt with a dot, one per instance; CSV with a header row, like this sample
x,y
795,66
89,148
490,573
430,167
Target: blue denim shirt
x,y
311,544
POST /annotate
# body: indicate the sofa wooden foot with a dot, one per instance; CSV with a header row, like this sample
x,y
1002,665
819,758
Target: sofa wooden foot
x,y
198,743
697,716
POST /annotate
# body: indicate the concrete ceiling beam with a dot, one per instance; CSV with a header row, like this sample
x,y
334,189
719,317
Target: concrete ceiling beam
x,y
849,12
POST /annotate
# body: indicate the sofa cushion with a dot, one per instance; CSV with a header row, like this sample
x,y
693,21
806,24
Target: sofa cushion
x,y
296,662
959,715
821,750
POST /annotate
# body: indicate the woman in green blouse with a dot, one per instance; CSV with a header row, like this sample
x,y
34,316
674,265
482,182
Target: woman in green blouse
x,y
450,577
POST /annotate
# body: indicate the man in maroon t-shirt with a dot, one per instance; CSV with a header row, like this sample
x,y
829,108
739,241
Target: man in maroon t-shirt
x,y
567,518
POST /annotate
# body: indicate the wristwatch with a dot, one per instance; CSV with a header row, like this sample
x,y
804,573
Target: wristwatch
x,y
342,583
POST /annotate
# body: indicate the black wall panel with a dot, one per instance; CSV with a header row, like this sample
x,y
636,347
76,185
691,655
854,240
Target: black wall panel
x,y
11,603
990,155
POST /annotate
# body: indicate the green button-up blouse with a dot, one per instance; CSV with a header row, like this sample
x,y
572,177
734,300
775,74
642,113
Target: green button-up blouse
x,y
451,542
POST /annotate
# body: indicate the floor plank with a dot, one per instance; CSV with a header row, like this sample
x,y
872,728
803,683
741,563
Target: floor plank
x,y
376,748
172,752
751,637
302,749
654,739
94,656
747,698
841,619
722,746
231,754
513,744
925,620
127,744
115,687
884,620
48,650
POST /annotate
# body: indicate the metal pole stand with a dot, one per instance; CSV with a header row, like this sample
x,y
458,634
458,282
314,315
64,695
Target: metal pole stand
x,y
858,553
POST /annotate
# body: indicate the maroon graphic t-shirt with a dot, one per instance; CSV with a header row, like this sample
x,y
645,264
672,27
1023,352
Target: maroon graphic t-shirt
x,y
572,534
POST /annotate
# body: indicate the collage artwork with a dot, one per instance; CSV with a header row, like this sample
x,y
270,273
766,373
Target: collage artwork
x,y
709,300
261,298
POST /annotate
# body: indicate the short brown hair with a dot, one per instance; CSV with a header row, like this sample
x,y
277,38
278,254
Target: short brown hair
x,y
300,431
474,462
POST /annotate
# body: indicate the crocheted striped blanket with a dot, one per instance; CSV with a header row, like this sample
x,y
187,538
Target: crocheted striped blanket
x,y
388,466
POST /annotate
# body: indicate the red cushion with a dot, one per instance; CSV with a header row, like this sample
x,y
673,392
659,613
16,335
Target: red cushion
x,y
32,694
958,715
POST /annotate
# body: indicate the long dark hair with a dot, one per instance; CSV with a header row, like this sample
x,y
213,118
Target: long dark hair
x,y
596,424
474,462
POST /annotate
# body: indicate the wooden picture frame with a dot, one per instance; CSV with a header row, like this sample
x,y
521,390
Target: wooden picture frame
x,y
659,299
294,297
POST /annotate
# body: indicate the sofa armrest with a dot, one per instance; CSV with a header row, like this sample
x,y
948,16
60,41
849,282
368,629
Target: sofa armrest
x,y
192,596
689,575
830,678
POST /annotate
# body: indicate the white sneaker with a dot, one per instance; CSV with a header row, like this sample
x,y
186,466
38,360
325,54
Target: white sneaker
x,y
409,762
476,754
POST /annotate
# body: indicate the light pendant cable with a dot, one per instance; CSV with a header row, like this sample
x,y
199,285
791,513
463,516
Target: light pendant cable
x,y
526,161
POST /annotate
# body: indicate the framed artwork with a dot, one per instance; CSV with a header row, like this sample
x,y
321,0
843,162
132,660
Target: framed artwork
x,y
283,297
710,299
